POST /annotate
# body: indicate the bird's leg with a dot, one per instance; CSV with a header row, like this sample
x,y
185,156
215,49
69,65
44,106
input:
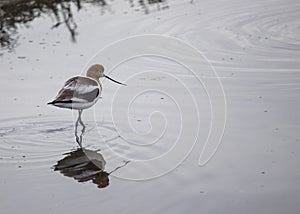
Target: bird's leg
x,y
80,121
78,139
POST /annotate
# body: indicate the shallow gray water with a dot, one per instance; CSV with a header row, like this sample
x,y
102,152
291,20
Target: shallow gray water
x,y
254,48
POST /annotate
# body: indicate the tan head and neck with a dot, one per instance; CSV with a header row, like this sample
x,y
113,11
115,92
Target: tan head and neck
x,y
96,71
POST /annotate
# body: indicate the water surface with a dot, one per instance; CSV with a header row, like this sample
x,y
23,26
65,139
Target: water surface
x,y
254,48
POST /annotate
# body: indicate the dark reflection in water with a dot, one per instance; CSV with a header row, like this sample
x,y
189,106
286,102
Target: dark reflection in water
x,y
14,13
85,165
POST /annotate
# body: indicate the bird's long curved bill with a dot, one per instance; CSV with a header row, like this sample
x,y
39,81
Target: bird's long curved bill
x,y
114,80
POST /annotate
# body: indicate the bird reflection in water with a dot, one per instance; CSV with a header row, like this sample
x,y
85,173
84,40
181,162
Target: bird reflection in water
x,y
85,165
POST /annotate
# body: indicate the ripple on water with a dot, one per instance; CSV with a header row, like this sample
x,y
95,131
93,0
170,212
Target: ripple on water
x,y
268,28
264,35
41,142
34,141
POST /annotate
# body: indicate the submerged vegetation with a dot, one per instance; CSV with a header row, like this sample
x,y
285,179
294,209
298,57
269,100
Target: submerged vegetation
x,y
14,13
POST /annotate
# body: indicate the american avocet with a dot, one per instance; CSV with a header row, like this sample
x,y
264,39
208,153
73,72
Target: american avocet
x,y
81,92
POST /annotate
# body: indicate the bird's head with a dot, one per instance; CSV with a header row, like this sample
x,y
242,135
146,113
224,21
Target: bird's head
x,y
97,71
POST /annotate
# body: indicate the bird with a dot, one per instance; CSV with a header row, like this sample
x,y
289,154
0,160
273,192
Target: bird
x,y
79,93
